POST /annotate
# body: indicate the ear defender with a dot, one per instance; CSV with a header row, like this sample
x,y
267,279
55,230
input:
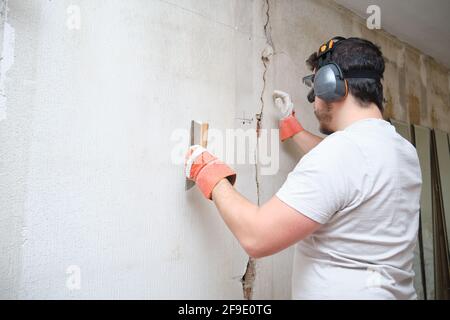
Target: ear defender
x,y
329,83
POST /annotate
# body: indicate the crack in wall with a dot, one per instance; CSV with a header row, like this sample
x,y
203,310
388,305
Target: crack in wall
x,y
265,58
249,276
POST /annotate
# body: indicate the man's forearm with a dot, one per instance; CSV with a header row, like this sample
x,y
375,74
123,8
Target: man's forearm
x,y
263,230
306,140
239,214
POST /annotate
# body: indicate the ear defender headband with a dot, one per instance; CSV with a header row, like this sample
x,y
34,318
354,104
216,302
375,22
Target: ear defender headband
x,y
329,82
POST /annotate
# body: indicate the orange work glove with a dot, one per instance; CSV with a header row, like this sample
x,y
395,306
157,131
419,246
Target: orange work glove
x,y
289,125
206,170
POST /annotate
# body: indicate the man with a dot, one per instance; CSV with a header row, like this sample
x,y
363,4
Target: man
x,y
351,205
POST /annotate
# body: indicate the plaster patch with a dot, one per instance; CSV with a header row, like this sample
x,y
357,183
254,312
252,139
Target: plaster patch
x,y
413,109
448,76
6,62
401,57
423,70
356,26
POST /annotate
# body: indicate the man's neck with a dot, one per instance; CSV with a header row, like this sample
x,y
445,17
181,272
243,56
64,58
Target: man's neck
x,y
352,112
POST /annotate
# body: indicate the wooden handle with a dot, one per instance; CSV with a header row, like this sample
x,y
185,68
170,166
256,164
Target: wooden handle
x,y
204,135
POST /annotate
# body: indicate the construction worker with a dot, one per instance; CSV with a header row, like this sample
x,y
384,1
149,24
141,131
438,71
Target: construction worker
x,y
351,205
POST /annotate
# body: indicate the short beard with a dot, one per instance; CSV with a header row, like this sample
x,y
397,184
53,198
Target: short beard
x,y
325,118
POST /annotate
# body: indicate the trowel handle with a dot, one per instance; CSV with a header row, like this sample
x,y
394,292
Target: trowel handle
x,y
204,135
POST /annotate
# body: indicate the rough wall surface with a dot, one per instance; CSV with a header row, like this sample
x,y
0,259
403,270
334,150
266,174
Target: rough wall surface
x,y
87,175
87,136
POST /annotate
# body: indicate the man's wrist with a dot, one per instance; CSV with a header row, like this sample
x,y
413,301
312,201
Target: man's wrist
x,y
219,187
289,127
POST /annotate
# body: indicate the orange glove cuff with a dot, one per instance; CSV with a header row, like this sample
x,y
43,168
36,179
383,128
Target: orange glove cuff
x,y
289,127
207,170
211,174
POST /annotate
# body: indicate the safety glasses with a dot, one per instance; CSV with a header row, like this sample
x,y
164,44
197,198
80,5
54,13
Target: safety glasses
x,y
309,80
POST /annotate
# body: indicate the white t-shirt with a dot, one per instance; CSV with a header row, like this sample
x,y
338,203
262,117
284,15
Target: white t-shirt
x,y
363,185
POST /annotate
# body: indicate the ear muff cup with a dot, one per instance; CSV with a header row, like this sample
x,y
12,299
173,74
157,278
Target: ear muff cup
x,y
329,83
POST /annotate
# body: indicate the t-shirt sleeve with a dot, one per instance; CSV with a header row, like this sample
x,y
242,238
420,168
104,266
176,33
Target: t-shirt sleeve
x,y
323,182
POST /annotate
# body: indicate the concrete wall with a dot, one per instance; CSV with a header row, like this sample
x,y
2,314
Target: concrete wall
x,y
88,115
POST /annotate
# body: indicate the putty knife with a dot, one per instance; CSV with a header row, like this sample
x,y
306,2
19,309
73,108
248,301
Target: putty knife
x,y
198,135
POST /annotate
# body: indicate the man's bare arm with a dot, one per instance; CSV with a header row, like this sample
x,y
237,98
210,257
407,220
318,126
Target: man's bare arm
x,y
264,230
306,140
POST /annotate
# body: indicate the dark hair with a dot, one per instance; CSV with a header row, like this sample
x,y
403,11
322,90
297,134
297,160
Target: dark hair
x,y
357,54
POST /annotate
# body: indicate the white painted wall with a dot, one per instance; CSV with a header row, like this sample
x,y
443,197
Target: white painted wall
x,y
86,177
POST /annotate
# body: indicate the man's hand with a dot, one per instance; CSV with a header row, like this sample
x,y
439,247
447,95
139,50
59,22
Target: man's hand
x,y
289,125
283,103
206,170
